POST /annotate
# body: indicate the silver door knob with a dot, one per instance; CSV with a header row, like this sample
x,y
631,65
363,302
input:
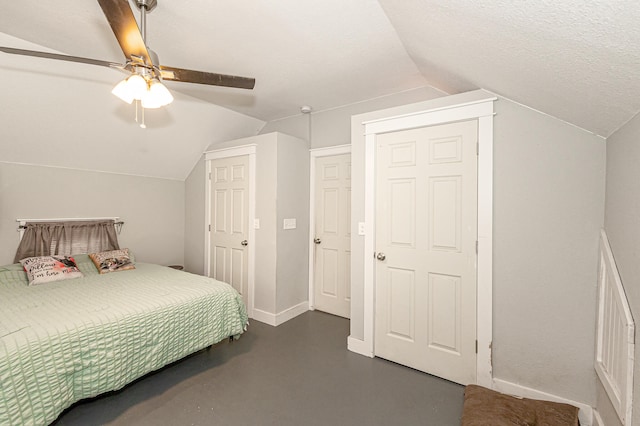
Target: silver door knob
x,y
317,240
244,242
381,256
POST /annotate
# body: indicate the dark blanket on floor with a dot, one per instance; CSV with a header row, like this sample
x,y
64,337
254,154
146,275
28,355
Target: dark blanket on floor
x,y
485,407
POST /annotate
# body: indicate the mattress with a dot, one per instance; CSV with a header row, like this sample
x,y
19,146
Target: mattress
x,y
65,341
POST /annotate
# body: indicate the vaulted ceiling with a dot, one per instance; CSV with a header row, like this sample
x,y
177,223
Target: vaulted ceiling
x,y
576,60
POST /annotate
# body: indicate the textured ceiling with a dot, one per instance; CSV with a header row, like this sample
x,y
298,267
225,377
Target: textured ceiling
x,y
575,60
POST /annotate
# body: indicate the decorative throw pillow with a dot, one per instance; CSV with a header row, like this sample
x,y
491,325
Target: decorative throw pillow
x,y
112,261
46,269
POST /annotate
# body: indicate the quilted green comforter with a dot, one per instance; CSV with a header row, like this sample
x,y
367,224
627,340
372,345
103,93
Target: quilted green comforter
x,y
64,341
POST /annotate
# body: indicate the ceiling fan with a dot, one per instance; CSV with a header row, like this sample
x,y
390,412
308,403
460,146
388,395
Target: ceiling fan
x,y
144,82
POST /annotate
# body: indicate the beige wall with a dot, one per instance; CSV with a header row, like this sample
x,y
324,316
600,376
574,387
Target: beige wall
x,y
152,208
622,223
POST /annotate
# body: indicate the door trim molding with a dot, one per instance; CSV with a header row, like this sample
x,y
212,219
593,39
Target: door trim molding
x,y
249,150
481,110
313,155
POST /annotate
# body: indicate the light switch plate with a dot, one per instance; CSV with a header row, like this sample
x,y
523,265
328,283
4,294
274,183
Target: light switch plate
x,y
256,223
289,224
360,228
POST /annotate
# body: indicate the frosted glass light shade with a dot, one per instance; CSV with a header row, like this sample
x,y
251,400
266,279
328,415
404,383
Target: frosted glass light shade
x,y
133,87
121,91
137,86
157,96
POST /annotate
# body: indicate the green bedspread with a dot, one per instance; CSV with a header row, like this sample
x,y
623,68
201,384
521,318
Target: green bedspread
x,y
68,340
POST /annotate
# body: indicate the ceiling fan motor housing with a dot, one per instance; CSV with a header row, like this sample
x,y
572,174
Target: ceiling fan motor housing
x,y
149,5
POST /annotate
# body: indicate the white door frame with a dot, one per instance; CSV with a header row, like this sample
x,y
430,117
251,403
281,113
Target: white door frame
x,y
482,111
313,155
249,150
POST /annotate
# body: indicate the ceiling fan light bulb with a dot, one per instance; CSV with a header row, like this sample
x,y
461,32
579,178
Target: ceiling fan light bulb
x,y
137,86
157,96
161,92
120,90
149,102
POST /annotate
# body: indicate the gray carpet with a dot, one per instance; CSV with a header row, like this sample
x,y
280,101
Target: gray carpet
x,y
299,373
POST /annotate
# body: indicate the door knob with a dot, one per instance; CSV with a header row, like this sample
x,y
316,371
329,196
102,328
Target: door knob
x,y
317,240
244,242
381,256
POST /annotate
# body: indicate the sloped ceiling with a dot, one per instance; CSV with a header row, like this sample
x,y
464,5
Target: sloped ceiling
x,y
322,53
574,60
61,115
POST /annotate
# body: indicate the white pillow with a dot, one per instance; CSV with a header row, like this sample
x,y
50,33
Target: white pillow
x,y
46,269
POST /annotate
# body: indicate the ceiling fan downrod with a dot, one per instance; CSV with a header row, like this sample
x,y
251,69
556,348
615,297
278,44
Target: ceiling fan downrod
x,y
144,6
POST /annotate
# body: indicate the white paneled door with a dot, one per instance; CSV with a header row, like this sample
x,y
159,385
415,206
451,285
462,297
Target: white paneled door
x,y
230,222
332,275
426,231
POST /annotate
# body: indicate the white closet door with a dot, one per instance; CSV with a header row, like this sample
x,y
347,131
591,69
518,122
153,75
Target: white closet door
x,y
332,274
230,222
426,230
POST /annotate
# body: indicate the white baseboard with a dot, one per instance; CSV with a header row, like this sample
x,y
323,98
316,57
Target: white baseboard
x,y
586,411
281,317
597,420
359,346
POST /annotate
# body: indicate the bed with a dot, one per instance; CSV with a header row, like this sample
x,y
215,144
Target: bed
x,y
68,340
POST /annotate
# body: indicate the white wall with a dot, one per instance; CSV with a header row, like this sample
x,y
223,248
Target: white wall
x,y
63,114
548,209
293,203
282,185
266,212
152,208
604,408
333,127
622,223
194,210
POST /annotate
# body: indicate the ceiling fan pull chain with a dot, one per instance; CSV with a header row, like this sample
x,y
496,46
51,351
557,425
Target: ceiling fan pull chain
x,y
140,115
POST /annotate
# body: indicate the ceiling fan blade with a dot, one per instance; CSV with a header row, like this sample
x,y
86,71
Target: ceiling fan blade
x,y
60,57
125,27
201,77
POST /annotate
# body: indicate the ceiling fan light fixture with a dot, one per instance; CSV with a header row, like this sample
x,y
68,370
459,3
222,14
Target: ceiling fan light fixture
x,y
121,92
137,86
157,96
132,88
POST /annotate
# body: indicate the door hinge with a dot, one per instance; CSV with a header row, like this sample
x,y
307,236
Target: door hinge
x,y
477,148
209,228
476,346
209,175
476,246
